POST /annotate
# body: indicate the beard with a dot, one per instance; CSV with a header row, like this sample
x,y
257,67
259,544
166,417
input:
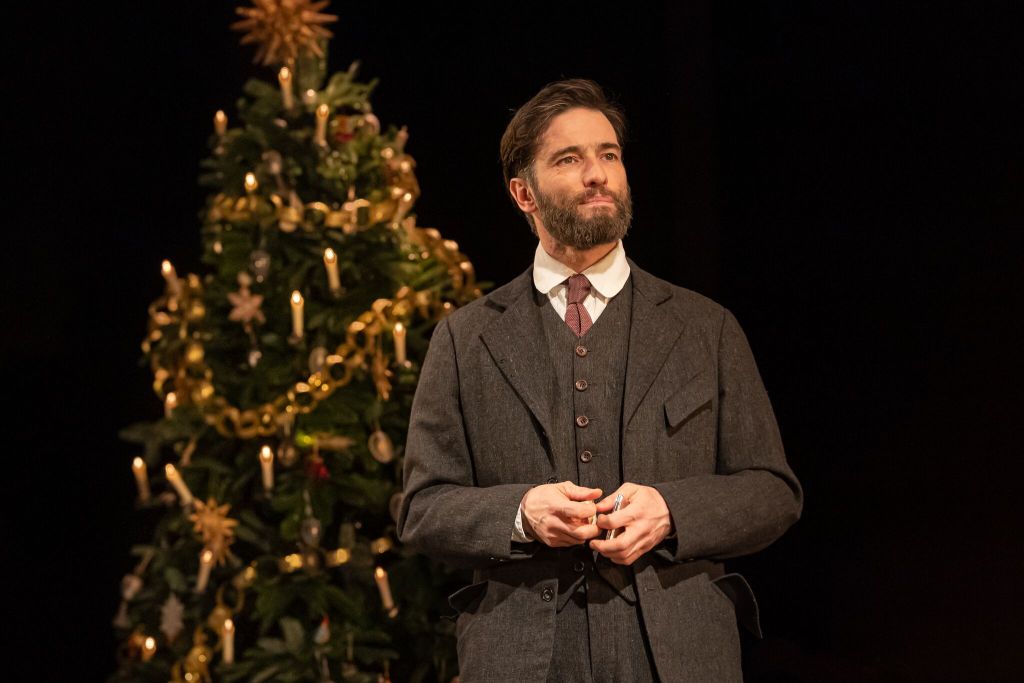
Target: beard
x,y
563,219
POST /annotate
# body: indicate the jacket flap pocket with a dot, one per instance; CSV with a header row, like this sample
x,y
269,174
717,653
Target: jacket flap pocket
x,y
689,399
738,590
466,597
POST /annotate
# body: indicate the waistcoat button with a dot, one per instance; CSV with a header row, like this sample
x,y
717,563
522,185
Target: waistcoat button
x,y
577,566
581,351
586,456
582,421
581,385
547,594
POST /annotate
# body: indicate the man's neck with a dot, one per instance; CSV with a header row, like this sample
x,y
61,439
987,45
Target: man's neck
x,y
576,259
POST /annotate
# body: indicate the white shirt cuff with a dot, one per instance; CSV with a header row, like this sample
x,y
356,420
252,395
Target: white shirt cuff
x,y
518,534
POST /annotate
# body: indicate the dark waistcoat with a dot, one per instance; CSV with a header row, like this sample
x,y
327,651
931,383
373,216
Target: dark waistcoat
x,y
589,379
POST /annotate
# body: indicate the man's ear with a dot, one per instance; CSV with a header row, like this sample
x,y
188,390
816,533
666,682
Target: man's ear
x,y
522,195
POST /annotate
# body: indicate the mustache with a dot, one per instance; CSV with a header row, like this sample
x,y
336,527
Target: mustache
x,y
596,192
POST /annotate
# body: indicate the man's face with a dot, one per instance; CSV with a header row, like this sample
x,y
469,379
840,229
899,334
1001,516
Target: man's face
x,y
579,184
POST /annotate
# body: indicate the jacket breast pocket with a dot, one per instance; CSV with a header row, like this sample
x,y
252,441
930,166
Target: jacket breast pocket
x,y
691,400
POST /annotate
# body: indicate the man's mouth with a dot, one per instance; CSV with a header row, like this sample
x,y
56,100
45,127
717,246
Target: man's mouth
x,y
598,199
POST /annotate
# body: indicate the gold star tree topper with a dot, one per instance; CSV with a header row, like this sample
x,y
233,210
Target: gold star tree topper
x,y
284,29
214,527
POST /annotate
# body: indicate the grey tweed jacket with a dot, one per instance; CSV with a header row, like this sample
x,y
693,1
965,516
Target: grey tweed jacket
x,y
697,425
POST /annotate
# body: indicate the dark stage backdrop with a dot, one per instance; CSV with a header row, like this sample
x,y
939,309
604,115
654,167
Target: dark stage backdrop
x,y
845,176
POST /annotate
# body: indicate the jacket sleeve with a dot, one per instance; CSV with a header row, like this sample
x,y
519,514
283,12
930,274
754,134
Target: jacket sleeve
x,y
754,496
444,514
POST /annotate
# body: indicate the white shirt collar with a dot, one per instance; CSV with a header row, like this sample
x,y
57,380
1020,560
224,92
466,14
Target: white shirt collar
x,y
607,276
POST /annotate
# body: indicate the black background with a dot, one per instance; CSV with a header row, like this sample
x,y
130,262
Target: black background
x,y
846,177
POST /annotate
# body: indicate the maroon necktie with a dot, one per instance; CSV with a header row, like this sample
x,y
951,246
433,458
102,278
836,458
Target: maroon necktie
x,y
576,316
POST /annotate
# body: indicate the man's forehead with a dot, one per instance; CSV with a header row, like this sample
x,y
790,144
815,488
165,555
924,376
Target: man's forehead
x,y
580,127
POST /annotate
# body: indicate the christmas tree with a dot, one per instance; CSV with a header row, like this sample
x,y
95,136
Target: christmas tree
x,y
286,373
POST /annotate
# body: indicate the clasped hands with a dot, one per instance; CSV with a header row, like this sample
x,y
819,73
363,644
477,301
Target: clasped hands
x,y
559,515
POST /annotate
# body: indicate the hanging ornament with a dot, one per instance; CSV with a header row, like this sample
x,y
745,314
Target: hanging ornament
x,y
310,531
348,667
323,631
246,305
275,165
315,467
214,527
171,622
287,454
317,358
131,584
254,357
285,30
197,661
259,263
381,448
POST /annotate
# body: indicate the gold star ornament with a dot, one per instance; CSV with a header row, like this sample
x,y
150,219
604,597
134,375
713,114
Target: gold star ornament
x,y
284,29
214,527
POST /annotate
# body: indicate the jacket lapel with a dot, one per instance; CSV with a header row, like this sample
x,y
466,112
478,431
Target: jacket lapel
x,y
518,345
653,332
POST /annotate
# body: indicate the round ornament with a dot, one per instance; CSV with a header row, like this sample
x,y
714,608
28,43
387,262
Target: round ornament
x,y
381,448
287,454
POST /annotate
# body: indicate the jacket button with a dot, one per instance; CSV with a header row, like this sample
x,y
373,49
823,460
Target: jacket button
x,y
581,385
586,456
581,351
577,566
552,480
547,594
582,421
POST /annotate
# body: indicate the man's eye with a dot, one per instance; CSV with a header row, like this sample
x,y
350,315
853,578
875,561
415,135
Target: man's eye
x,y
565,160
611,156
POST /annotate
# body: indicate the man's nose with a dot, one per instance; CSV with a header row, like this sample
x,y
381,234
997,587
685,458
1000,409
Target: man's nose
x,y
593,173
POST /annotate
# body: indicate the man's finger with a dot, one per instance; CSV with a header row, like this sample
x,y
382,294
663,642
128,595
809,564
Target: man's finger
x,y
627,491
585,532
577,510
615,520
622,540
574,492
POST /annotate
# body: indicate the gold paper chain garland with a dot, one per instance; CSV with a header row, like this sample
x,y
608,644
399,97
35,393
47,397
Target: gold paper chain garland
x,y
186,375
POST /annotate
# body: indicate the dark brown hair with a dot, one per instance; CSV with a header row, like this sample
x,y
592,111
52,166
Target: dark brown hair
x,y
522,136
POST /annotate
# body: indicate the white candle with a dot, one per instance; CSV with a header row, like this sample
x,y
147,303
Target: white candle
x,y
333,277
267,465
148,648
170,403
167,270
178,483
220,122
141,478
284,77
251,184
297,306
229,641
385,589
322,112
205,565
399,333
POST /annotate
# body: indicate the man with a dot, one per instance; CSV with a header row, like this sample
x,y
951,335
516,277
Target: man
x,y
583,379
